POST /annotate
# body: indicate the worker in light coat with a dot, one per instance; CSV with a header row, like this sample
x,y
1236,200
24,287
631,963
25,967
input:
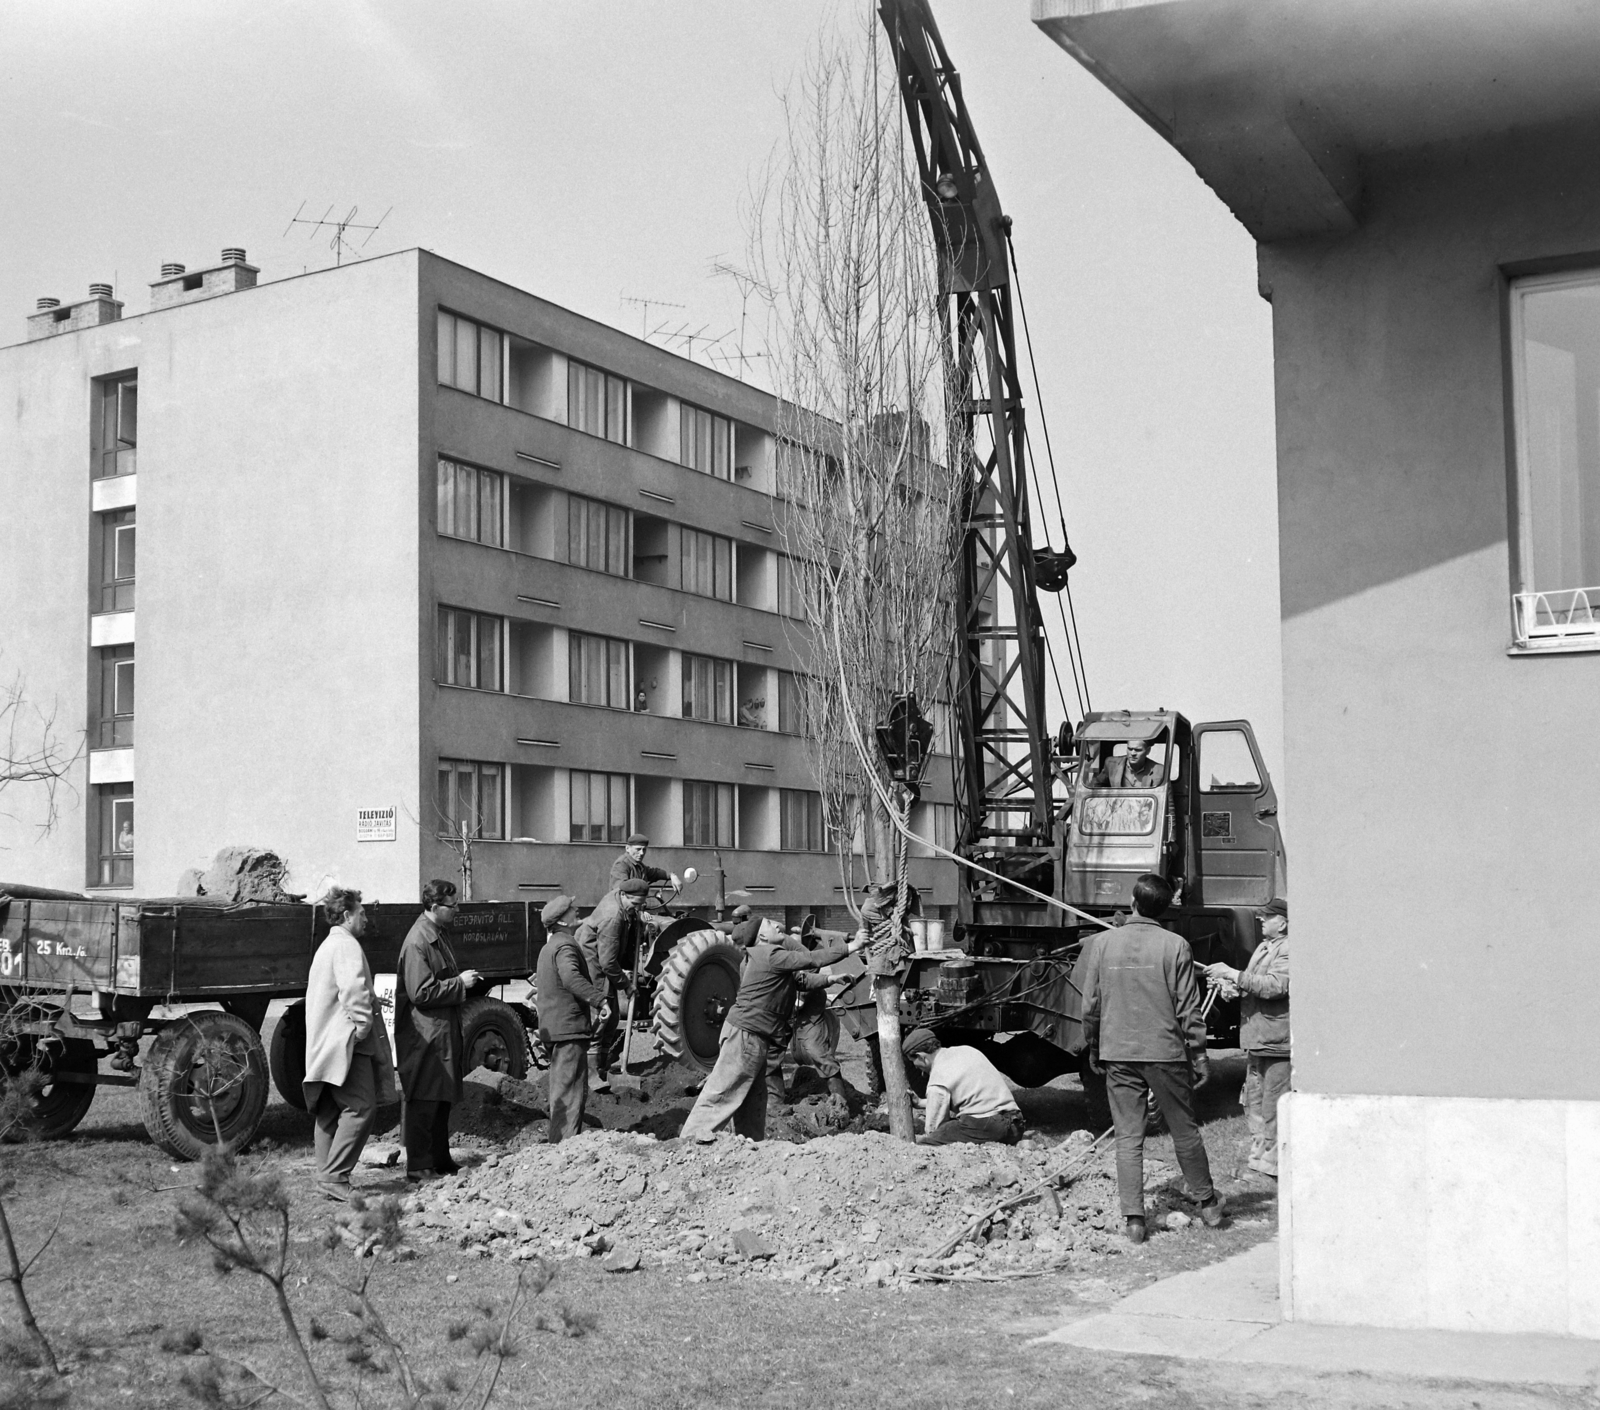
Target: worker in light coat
x,y
1263,989
430,989
349,1069
568,999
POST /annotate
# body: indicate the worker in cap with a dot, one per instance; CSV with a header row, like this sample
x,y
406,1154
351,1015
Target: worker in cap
x,y
1263,990
630,866
609,937
746,930
967,1098
815,1043
568,1001
736,1090
741,913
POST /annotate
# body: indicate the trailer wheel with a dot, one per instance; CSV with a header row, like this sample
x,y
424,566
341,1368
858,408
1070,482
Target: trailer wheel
x,y
204,1075
56,1107
492,1037
287,1057
697,987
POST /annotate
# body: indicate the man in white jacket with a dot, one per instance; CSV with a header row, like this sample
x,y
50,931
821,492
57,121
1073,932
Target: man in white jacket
x,y
349,1068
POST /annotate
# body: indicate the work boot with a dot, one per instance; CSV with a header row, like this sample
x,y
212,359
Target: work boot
x,y
838,1087
1212,1211
1135,1229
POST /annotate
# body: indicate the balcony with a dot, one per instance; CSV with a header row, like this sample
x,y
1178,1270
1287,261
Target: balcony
x,y
1567,619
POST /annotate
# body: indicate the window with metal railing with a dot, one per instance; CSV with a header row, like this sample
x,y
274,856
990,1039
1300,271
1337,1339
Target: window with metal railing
x,y
1555,350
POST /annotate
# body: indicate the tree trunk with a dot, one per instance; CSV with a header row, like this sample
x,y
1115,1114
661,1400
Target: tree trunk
x,y
24,1311
896,1094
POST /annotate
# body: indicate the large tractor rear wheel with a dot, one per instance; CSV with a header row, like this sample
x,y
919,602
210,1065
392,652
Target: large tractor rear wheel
x,y
205,1076
697,987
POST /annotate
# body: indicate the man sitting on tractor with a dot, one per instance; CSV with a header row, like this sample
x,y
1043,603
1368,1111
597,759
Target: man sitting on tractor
x,y
630,866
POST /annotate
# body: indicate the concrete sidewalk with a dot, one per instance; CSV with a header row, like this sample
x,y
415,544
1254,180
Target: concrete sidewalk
x,y
1230,1312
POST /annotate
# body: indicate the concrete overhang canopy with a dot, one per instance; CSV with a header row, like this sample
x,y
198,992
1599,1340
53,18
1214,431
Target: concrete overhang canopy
x,y
1279,104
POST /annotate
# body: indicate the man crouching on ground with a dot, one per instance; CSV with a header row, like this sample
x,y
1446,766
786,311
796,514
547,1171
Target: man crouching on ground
x,y
968,1099
1143,1029
736,1091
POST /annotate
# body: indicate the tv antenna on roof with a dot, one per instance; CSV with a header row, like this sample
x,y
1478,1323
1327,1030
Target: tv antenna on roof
x,y
747,284
338,244
645,306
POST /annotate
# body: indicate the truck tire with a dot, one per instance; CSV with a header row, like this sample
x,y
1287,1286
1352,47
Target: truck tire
x,y
57,1107
286,1059
696,989
204,1075
492,1037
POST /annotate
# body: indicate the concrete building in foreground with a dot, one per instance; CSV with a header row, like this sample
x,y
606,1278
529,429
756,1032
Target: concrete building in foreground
x,y
1420,180
392,550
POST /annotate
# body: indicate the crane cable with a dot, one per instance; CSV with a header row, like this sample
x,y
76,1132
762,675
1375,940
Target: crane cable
x,y
1080,673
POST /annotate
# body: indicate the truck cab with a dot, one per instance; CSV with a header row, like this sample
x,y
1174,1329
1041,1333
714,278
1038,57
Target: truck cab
x,y
1197,808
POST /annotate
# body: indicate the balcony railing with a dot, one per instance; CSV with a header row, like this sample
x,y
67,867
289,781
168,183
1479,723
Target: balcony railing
x,y
1568,614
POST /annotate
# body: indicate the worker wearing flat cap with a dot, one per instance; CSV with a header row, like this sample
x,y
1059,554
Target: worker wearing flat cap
x,y
1263,990
967,1100
736,1090
608,936
569,1000
630,866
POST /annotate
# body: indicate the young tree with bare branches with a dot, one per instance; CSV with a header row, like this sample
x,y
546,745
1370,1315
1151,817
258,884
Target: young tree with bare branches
x,y
33,750
870,459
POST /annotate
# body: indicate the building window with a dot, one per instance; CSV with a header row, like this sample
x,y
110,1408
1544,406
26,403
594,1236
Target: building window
x,y
707,565
800,820
599,403
118,431
599,807
705,442
471,798
470,356
1556,390
707,814
597,536
471,649
116,697
471,503
791,719
752,697
597,671
116,561
707,689
791,602
113,865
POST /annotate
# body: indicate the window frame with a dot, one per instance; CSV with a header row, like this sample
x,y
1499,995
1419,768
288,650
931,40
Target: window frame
x,y
611,516
117,527
714,433
813,825
478,770
721,687
482,479
614,402
110,866
720,793
720,572
481,627
481,338
614,832
578,669
116,431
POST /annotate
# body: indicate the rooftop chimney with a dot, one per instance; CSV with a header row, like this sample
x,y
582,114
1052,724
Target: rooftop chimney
x,y
178,286
51,318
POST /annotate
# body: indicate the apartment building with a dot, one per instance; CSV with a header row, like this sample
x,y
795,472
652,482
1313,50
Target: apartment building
x,y
398,554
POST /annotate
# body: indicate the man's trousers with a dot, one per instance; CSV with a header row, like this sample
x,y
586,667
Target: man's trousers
x,y
1266,1079
569,1088
735,1091
343,1115
1173,1086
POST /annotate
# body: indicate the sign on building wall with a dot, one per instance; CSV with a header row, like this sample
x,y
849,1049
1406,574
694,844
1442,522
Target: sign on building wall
x,y
375,825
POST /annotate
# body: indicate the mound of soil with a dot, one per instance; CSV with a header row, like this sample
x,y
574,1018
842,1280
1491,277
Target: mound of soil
x,y
854,1208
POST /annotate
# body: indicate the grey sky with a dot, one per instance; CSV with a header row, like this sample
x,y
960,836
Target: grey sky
x,y
591,151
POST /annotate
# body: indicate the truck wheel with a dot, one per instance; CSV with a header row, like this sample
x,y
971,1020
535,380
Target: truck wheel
x,y
204,1076
55,1108
287,1057
492,1037
697,987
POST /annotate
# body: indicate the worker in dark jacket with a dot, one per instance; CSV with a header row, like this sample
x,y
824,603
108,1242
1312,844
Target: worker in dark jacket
x,y
1143,1029
630,866
430,989
567,996
1263,990
608,935
736,1090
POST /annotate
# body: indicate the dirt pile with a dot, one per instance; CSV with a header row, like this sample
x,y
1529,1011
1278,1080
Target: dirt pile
x,y
239,874
842,1210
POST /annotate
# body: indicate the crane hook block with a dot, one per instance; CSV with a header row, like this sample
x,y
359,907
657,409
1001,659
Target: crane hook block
x,y
904,740
1050,568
